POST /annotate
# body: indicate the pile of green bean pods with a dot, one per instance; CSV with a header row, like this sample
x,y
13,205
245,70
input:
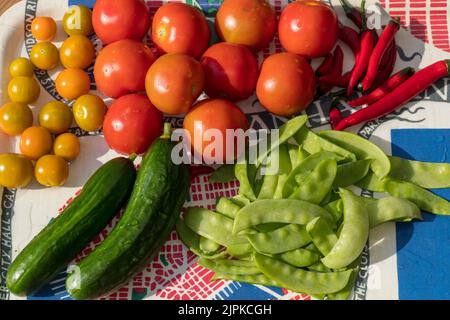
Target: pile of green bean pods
x,y
303,228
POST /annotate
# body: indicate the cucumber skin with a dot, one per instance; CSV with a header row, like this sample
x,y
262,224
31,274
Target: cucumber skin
x,y
61,240
154,207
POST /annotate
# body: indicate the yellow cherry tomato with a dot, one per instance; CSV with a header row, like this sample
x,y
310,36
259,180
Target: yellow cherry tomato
x,y
51,171
44,55
67,146
72,83
43,28
15,117
21,67
16,171
77,51
89,111
23,89
78,20
35,142
56,117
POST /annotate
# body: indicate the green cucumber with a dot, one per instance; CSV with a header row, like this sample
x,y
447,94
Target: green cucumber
x,y
60,241
154,207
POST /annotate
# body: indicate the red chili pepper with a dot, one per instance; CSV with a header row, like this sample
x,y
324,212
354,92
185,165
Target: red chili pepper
x,y
337,64
385,40
326,65
399,96
327,81
352,13
335,117
361,59
392,83
387,65
199,170
367,41
350,37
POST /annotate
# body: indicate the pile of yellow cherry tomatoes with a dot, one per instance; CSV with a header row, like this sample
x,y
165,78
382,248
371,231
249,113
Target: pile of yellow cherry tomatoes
x,y
49,143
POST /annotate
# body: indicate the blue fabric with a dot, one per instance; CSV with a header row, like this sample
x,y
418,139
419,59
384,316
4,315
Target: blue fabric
x,y
423,252
87,3
244,291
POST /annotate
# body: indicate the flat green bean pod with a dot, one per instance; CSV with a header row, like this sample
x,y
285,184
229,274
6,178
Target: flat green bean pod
x,y
362,148
314,143
286,131
211,225
321,235
240,251
284,155
319,267
240,200
351,172
251,279
289,237
345,293
268,187
317,185
336,208
312,247
299,257
226,266
303,169
354,233
279,161
267,227
302,154
277,210
227,207
424,199
427,175
278,194
224,173
293,151
187,236
372,183
208,246
192,241
299,280
390,209
245,173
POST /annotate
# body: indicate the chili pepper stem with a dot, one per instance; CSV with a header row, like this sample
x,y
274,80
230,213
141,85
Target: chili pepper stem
x,y
132,157
352,13
167,131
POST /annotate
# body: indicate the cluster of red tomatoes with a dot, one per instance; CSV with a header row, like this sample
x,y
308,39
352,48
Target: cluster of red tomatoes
x,y
189,65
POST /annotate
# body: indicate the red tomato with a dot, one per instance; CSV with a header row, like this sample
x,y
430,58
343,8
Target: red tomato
x,y
286,84
121,67
214,114
174,92
180,28
231,71
308,28
249,22
115,20
131,124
